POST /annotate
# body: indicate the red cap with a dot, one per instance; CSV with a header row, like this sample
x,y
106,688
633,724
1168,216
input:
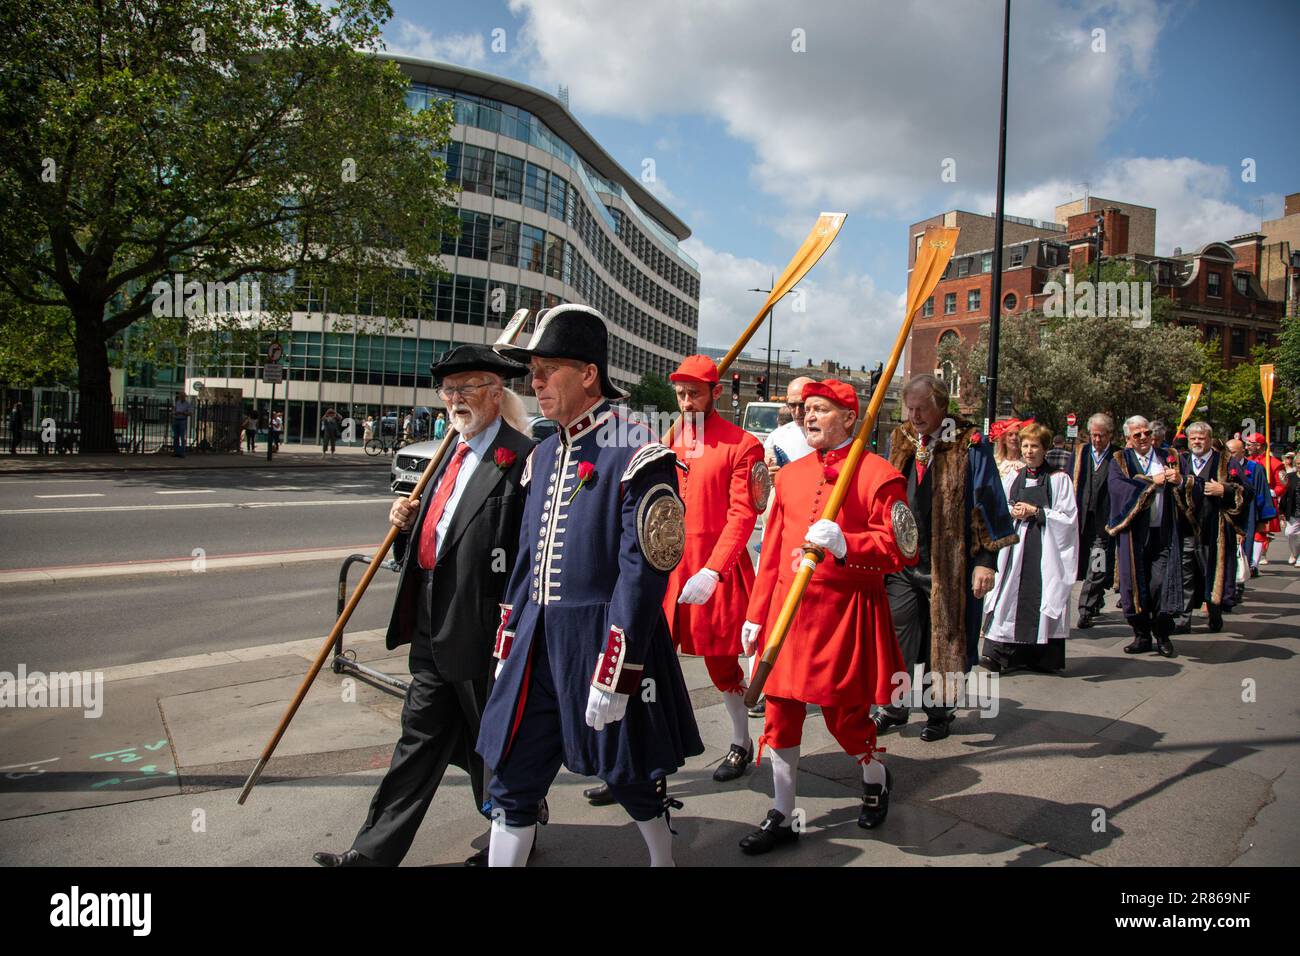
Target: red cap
x,y
696,368
1256,438
841,393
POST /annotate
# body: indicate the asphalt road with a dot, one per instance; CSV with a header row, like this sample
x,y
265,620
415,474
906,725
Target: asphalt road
x,y
57,521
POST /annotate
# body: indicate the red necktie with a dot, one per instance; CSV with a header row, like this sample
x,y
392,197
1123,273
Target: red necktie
x,y
920,465
429,530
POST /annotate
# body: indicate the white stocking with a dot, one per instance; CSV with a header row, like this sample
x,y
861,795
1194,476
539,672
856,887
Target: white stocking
x,y
785,768
509,845
735,704
873,771
658,839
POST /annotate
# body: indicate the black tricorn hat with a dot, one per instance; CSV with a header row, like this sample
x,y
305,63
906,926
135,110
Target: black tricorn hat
x,y
474,358
572,332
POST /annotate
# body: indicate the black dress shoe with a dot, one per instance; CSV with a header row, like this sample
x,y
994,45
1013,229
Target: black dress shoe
x,y
1183,627
759,709
1254,572
769,835
936,728
1085,620
990,664
734,763
346,858
1216,618
884,719
599,796
875,802
1165,647
1140,645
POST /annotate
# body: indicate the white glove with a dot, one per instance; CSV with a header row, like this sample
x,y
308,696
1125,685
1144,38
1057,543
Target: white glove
x,y
700,587
604,708
828,535
749,637
500,664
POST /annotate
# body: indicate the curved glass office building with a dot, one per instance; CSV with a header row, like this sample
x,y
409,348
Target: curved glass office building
x,y
546,217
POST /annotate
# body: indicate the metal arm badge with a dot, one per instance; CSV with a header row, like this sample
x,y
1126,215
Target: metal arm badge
x,y
760,485
661,528
906,535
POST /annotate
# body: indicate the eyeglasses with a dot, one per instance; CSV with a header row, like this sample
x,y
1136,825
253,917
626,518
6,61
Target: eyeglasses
x,y
1139,434
447,393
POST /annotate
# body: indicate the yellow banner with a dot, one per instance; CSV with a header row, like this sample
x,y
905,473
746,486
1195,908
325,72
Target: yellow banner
x,y
1193,396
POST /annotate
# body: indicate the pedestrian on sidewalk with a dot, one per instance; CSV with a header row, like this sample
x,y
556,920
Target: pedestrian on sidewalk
x,y
17,422
368,429
331,427
181,411
439,426
1290,508
1027,615
456,546
1058,456
277,423
250,431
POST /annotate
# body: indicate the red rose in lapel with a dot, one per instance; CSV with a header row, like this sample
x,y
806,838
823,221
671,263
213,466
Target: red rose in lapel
x,y
586,475
505,459
1172,461
974,438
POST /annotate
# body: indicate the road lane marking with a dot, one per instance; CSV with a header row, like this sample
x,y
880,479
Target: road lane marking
x,y
184,565
188,491
195,506
93,494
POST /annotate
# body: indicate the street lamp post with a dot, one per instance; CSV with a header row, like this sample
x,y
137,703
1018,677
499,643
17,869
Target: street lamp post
x,y
995,307
776,386
768,376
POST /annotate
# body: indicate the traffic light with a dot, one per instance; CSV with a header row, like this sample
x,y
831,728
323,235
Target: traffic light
x,y
735,385
762,388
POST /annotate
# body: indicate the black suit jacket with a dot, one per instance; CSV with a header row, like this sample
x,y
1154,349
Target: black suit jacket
x,y
473,566
1092,489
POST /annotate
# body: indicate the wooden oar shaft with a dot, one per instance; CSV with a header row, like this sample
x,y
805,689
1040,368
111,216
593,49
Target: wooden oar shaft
x,y
927,272
357,593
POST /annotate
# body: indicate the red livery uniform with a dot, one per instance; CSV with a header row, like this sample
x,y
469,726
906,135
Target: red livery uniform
x,y
1276,475
725,473
841,652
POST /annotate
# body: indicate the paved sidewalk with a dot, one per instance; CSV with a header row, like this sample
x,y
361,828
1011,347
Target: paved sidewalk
x,y
1122,761
289,456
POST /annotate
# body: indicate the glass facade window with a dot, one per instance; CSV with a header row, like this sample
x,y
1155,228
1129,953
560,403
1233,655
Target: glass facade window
x,y
1213,284
475,234
535,187
476,170
509,178
927,309
1238,343
505,241
986,262
532,244
949,303
1018,256
557,200
973,300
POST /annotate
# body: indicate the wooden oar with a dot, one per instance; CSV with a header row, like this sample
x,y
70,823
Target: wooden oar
x,y
936,249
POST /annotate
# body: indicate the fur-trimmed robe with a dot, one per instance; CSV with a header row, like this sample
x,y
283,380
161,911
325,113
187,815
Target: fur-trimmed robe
x,y
1211,521
968,513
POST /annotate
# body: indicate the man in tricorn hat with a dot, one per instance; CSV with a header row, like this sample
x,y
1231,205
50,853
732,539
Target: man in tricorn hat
x,y
456,546
588,677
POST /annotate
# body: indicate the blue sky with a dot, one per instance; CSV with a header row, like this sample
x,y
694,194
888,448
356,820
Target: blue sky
x,y
752,137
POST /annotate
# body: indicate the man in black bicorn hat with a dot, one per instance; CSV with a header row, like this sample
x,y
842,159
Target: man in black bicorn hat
x,y
588,677
457,546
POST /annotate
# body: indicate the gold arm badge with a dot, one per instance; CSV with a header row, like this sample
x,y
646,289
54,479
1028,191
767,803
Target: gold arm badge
x,y
661,528
760,485
905,534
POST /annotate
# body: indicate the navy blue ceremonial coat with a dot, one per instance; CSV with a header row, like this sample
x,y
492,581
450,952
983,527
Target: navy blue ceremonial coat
x,y
1131,492
585,583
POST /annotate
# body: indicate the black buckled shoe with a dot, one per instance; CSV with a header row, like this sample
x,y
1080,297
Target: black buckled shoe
x,y
884,718
734,763
599,796
1165,647
346,858
759,709
875,802
936,728
769,835
1140,645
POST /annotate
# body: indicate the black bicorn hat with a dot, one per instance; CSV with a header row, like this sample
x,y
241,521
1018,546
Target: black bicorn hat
x,y
573,332
475,358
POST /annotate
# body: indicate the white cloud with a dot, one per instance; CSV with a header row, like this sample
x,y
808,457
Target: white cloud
x,y
885,92
1190,198
846,316
463,49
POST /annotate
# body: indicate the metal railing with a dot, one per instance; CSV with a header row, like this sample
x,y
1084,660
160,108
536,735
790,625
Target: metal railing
x,y
139,425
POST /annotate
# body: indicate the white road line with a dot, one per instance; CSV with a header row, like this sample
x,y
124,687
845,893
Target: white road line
x,y
196,505
96,494
188,491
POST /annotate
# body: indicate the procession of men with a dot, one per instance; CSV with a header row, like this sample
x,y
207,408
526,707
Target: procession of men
x,y
547,590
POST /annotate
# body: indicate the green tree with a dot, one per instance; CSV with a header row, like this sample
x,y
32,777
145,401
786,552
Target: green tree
x,y
35,346
653,392
223,140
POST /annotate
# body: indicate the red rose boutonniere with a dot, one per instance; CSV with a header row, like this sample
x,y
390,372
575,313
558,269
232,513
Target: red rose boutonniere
x,y
586,475
975,438
505,459
1172,461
